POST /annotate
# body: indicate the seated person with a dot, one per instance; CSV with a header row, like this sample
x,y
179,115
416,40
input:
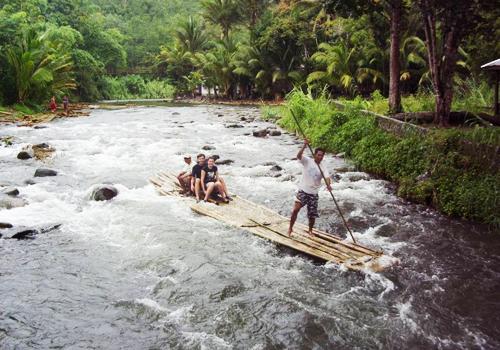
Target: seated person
x,y
196,187
184,176
210,181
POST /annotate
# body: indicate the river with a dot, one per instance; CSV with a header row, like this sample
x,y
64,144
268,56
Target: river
x,y
142,271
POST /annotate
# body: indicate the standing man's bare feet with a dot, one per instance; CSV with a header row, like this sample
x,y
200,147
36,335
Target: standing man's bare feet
x,y
290,232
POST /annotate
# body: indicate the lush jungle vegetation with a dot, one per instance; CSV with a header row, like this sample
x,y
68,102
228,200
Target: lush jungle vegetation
x,y
431,49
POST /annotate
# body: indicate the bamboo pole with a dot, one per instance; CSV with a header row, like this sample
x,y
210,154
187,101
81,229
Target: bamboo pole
x,y
312,244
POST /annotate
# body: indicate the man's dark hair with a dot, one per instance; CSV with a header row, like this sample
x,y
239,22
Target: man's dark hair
x,y
211,158
200,155
319,149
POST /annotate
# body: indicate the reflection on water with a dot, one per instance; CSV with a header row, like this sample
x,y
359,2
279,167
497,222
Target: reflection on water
x,y
143,271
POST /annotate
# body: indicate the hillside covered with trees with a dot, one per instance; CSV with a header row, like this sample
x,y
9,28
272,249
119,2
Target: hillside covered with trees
x,y
104,49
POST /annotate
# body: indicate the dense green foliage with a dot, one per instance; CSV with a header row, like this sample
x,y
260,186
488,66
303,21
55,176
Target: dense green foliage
x,y
235,48
442,168
57,47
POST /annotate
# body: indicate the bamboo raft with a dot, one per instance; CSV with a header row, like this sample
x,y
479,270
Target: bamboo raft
x,y
272,226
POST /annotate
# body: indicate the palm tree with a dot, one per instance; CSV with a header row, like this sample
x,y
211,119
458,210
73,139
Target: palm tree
x,y
225,13
174,62
191,36
40,66
339,67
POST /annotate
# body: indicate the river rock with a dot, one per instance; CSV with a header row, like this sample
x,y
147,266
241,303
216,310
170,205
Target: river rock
x,y
243,119
42,151
40,127
276,168
275,133
23,155
224,162
9,202
29,182
41,145
220,115
269,164
11,191
25,234
234,126
358,177
42,172
260,133
104,193
175,113
344,169
5,225
207,148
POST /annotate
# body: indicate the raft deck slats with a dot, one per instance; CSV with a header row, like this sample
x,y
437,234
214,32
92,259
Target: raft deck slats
x,y
272,226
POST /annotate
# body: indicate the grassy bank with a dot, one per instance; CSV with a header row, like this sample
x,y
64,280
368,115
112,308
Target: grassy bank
x,y
433,169
469,96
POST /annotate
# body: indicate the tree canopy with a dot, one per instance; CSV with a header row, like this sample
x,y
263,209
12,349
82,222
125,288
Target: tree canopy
x,y
244,49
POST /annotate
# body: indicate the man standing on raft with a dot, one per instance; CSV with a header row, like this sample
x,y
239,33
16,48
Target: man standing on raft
x,y
309,186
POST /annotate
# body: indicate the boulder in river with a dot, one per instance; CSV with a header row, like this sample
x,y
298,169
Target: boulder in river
x,y
276,167
23,155
207,148
234,126
42,172
269,164
104,193
9,202
260,133
224,161
5,225
42,151
175,113
25,234
41,145
11,191
274,133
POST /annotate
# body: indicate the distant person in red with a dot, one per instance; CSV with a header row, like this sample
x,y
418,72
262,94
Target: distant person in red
x,y
53,104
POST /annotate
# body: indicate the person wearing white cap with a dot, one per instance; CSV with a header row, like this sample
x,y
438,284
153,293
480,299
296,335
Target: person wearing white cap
x,y
184,176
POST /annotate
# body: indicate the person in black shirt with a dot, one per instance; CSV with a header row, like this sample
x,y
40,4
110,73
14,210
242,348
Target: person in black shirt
x,y
196,176
210,180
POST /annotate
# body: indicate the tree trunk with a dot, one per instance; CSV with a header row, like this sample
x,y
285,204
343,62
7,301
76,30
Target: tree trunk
x,y
394,73
442,59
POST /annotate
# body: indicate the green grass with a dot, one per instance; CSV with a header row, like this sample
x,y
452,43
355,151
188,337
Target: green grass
x,y
469,96
449,169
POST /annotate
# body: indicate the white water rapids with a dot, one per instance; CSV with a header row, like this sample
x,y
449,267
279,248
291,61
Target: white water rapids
x,y
142,271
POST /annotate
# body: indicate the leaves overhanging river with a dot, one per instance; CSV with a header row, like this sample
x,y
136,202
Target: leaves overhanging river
x,y
143,271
